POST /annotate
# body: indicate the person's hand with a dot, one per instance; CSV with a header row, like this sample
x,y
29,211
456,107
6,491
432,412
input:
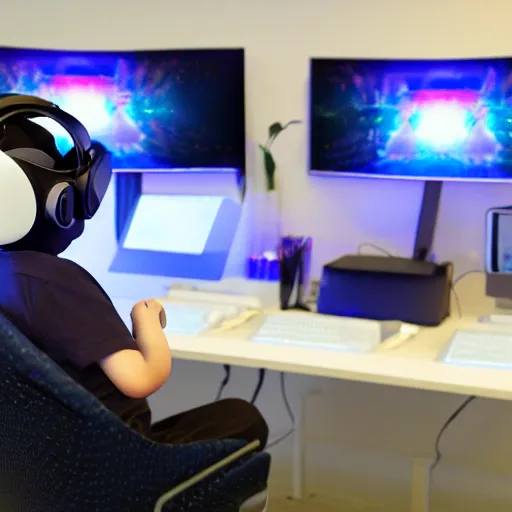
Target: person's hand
x,y
147,312
139,373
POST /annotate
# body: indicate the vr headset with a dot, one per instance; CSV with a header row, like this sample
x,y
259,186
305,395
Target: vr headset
x,y
34,181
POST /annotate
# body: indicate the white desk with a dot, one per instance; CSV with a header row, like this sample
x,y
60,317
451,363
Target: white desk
x,y
412,365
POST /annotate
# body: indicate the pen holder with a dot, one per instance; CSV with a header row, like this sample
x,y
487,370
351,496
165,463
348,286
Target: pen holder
x,y
295,261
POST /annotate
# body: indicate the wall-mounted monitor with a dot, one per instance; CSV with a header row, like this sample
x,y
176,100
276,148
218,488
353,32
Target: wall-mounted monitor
x,y
169,110
419,119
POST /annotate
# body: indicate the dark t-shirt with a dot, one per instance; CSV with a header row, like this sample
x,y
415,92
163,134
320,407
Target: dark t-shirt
x,y
63,311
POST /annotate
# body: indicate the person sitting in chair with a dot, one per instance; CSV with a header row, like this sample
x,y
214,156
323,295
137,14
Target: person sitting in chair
x,y
45,198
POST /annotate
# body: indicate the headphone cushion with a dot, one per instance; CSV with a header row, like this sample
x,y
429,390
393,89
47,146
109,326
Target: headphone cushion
x,y
60,205
18,203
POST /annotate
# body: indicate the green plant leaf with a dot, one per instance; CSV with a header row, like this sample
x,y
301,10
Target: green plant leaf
x,y
270,167
274,130
295,121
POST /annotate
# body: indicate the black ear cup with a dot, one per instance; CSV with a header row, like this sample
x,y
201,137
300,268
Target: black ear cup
x,y
60,205
93,184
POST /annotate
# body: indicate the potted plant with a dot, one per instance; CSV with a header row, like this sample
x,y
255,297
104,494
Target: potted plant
x,y
266,214
274,130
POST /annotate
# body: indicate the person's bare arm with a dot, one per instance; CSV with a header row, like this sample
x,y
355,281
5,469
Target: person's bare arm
x,y
139,373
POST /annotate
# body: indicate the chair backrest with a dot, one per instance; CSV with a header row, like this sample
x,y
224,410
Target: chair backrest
x,y
20,359
62,450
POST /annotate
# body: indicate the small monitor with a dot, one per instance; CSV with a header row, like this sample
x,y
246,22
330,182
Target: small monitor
x,y
498,253
183,236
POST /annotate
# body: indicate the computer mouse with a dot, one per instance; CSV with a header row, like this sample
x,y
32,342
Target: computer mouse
x,y
215,318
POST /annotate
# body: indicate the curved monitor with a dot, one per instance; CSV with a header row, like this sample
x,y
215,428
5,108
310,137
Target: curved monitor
x,y
419,119
169,110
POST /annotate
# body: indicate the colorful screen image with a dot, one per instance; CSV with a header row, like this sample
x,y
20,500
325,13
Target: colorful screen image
x,y
177,109
448,119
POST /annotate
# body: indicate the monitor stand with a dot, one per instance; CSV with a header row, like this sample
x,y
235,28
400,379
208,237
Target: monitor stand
x,y
427,220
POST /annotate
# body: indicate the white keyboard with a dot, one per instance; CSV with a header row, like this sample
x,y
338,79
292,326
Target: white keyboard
x,y
480,348
324,331
497,319
190,318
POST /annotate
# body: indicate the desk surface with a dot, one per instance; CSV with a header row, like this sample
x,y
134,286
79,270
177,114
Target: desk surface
x,y
412,365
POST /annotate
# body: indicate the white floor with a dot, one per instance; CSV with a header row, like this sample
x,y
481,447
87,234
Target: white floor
x,y
359,455
389,502
344,492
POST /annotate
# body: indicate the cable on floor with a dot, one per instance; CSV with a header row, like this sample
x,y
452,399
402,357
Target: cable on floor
x,y
259,385
446,424
289,410
224,383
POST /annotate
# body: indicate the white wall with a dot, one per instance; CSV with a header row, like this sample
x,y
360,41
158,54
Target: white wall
x,y
371,430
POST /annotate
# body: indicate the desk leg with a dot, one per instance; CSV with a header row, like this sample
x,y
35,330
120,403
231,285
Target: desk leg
x,y
420,485
299,449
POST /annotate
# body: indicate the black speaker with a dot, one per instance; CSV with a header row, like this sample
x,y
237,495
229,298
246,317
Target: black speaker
x,y
386,288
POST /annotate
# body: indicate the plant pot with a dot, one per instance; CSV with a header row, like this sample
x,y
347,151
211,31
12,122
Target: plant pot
x,y
265,236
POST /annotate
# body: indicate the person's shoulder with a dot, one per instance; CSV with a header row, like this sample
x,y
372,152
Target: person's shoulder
x,y
37,264
53,270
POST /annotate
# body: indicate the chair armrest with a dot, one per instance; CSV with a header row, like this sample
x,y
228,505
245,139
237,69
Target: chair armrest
x,y
169,495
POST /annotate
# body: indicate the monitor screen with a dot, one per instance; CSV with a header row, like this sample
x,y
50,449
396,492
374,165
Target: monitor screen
x,y
177,224
172,109
179,236
428,119
504,244
499,241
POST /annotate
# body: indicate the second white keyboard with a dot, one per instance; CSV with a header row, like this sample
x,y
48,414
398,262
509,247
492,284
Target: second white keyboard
x,y
324,331
480,348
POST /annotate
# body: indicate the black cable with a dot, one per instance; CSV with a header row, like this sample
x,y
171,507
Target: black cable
x,y
259,385
289,410
285,398
224,383
455,282
457,301
360,248
460,277
447,423
280,439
